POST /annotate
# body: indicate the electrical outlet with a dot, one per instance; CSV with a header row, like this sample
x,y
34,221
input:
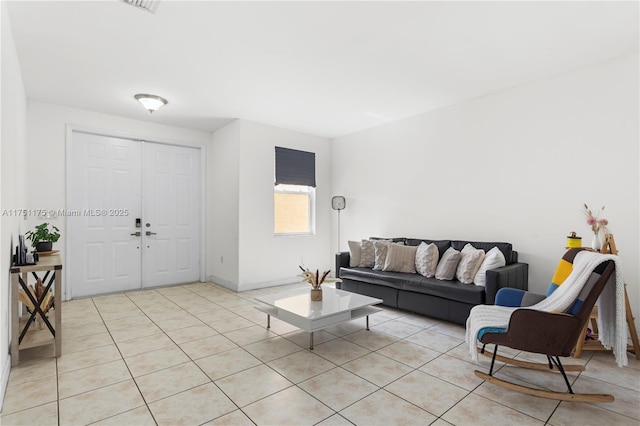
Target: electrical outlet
x,y
221,259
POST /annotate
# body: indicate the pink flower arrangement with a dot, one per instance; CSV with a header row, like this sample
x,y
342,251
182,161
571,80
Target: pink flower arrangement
x,y
596,222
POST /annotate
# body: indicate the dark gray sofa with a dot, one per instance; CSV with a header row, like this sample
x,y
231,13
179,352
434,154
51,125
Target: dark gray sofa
x,y
447,300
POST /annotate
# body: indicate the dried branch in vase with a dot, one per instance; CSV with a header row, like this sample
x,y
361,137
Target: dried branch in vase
x,y
315,279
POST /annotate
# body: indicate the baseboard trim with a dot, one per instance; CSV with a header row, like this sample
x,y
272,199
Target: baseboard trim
x,y
272,283
253,286
4,380
224,283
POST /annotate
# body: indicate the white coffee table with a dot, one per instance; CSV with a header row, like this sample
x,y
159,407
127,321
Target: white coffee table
x,y
296,308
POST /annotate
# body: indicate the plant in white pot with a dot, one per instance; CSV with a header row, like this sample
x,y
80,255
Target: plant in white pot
x,y
43,237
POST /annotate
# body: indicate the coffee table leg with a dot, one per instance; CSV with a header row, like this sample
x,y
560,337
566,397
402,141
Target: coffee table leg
x,y
268,321
311,341
367,322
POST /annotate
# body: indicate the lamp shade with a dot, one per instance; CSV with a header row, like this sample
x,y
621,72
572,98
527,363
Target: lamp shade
x,y
338,202
150,102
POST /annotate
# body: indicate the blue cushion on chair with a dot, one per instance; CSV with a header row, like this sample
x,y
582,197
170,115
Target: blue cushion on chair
x,y
490,330
509,297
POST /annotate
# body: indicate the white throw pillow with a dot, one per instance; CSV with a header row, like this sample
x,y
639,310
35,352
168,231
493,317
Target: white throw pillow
x,y
367,254
470,261
354,253
494,259
427,259
400,258
448,264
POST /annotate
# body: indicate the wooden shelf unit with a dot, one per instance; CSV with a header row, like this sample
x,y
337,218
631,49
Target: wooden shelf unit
x,y
609,246
25,330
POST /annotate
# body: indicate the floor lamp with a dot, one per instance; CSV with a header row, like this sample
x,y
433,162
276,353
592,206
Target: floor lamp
x,y
338,203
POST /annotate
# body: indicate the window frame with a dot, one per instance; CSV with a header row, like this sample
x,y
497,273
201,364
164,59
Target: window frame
x,y
310,191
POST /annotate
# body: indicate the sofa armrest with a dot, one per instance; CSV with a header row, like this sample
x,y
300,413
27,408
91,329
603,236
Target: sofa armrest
x,y
515,275
342,261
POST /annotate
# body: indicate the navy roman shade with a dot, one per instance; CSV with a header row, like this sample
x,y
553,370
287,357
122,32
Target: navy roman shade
x,y
295,167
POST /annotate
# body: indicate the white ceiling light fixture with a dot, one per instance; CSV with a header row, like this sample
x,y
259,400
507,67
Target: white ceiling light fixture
x,y
150,102
148,5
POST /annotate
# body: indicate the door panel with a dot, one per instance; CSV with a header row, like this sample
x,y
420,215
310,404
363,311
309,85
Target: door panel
x,y
171,207
104,174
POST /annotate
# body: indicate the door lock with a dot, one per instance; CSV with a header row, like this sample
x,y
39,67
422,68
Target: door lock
x,y
150,233
136,234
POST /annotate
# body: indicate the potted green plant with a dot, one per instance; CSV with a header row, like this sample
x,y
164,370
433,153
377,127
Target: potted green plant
x,y
43,237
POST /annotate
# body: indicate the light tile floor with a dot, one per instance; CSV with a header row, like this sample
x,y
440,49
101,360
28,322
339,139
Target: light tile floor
x,y
200,354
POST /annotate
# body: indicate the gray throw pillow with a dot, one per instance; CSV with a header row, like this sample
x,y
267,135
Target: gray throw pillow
x,y
427,259
380,251
470,260
401,258
354,253
448,264
367,254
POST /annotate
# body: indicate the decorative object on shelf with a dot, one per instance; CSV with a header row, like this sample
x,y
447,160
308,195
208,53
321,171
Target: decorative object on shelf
x,y
595,243
43,237
338,203
46,301
316,280
573,241
597,224
22,256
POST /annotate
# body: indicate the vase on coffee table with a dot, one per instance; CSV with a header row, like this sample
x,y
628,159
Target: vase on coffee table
x,y
316,294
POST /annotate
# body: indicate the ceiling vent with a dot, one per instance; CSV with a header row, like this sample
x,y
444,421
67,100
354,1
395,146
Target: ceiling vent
x,y
148,5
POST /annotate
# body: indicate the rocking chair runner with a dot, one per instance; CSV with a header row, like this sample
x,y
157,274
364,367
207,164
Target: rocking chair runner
x,y
550,333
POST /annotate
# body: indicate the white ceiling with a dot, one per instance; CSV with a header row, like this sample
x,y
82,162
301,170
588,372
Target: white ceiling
x,y
324,68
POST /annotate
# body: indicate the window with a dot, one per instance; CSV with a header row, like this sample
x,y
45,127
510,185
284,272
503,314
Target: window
x,y
294,192
293,209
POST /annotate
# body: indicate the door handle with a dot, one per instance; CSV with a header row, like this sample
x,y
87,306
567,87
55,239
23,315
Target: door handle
x,y
150,233
136,234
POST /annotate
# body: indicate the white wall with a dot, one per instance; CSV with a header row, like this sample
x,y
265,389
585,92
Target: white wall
x,y
223,205
242,162
514,166
46,150
265,258
13,167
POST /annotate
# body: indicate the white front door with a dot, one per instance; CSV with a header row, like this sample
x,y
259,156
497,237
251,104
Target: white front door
x,y
171,214
103,201
112,183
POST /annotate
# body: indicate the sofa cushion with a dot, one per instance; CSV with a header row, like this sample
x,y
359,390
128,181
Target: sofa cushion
x,y
448,264
367,254
427,257
442,245
354,253
492,260
401,258
470,260
505,248
452,290
399,240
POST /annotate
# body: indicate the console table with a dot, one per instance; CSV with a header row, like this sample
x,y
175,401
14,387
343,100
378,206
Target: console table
x,y
24,332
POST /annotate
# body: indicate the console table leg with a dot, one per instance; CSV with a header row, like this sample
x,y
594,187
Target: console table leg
x,y
311,341
268,321
367,322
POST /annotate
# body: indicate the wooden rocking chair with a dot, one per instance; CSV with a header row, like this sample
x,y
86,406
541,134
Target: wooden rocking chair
x,y
547,333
